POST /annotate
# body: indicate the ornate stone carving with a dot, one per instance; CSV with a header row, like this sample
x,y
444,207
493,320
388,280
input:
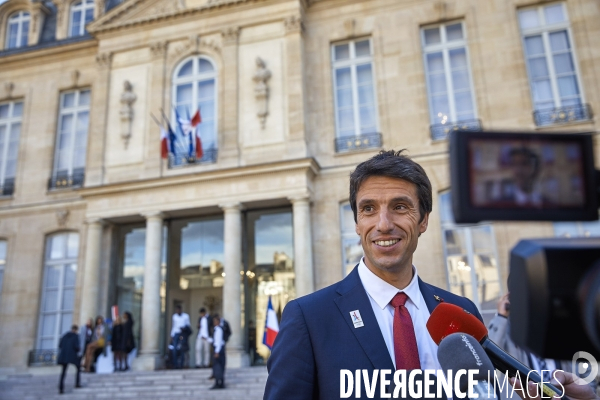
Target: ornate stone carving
x,y
194,45
126,112
8,89
231,35
159,49
104,60
61,217
75,74
293,24
350,27
261,90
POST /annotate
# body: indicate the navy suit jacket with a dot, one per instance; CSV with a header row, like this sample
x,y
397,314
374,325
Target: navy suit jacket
x,y
317,339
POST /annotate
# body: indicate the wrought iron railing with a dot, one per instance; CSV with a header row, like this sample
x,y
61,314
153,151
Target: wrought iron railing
x,y
38,358
350,143
61,181
180,160
8,188
441,131
562,115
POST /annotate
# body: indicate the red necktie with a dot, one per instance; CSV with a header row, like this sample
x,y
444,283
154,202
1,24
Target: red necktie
x,y
405,342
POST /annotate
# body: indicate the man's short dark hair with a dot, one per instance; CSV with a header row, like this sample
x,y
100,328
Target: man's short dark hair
x,y
529,154
392,164
74,328
203,310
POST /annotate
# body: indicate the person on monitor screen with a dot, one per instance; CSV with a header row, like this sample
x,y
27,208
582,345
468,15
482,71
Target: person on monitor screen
x,y
524,188
375,318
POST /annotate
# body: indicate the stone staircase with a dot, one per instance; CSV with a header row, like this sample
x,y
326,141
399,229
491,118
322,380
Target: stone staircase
x,y
242,384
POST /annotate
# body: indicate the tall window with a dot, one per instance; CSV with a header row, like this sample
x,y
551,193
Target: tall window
x,y
17,30
449,86
354,91
352,251
58,289
2,263
549,54
471,260
10,129
73,121
194,88
82,13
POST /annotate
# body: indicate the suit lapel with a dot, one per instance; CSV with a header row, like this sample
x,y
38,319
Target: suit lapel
x,y
431,298
354,297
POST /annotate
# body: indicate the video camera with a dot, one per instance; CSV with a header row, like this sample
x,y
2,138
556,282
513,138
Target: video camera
x,y
554,283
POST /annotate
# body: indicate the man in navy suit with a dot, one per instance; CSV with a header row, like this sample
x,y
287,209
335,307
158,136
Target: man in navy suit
x,y
374,318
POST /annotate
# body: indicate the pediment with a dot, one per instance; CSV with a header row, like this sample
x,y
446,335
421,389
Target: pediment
x,y
135,12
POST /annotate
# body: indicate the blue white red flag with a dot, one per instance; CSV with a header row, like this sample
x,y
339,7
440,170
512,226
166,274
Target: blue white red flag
x,y
271,326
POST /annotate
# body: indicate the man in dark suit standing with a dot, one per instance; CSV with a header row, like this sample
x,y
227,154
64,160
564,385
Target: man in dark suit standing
x,y
374,318
70,353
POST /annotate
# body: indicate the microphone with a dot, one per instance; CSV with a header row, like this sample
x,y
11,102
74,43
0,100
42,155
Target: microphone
x,y
448,318
460,351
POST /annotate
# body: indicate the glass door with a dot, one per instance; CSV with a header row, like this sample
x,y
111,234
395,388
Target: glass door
x,y
268,272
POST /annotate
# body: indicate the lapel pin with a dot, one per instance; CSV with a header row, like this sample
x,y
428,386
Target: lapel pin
x,y
356,319
438,298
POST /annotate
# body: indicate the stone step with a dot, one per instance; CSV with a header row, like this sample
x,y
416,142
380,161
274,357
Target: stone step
x,y
243,383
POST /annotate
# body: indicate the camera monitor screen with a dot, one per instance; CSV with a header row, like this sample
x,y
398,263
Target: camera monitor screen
x,y
522,176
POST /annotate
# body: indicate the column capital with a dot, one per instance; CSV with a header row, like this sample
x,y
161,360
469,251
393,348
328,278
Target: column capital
x,y
153,215
231,206
95,221
299,198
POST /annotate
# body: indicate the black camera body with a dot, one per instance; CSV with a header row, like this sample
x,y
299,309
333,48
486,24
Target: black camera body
x,y
554,283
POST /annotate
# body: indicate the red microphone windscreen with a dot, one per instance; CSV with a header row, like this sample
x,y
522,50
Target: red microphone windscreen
x,y
447,319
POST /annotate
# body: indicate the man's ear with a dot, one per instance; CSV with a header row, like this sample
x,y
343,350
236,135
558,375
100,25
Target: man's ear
x,y
423,224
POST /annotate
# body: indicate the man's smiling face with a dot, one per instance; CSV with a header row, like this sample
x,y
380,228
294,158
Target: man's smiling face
x,y
389,224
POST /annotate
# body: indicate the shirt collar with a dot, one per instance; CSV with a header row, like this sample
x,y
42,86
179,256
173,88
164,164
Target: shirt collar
x,y
383,292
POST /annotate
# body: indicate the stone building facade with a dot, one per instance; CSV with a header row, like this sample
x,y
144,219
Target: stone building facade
x,y
293,94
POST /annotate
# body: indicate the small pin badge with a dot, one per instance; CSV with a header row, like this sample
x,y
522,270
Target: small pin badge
x,y
438,298
356,319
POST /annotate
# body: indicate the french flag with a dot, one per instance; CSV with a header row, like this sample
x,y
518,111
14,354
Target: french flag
x,y
195,121
271,326
164,144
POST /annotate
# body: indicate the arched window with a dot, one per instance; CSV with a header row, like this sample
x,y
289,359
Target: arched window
x,y
82,13
58,289
194,88
17,30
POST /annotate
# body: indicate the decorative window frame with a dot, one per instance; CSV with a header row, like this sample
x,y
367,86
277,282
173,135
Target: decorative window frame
x,y
37,12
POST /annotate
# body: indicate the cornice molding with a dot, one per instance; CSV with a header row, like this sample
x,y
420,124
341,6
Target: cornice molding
x,y
306,165
110,22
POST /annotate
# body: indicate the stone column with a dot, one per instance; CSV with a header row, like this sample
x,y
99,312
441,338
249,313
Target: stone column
x,y
158,81
303,261
149,358
91,275
232,294
229,148
296,94
94,171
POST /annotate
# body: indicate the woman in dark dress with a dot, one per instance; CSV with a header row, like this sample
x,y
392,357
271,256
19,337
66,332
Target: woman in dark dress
x,y
117,343
127,339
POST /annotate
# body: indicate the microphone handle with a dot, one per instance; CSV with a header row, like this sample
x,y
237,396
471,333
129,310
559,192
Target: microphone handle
x,y
505,363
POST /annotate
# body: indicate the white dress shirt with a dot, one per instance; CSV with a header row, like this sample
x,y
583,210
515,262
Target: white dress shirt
x,y
179,321
380,294
217,339
203,332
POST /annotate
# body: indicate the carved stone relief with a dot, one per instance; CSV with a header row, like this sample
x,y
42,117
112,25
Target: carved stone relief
x,y
75,74
61,217
231,35
8,89
126,112
159,49
261,90
293,24
194,45
104,60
